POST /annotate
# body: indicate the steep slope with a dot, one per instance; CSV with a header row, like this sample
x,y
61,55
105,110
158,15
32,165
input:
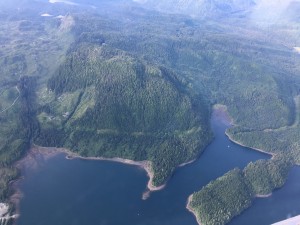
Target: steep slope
x,y
106,103
138,84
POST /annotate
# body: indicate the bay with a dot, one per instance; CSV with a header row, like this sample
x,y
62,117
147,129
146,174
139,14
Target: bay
x,y
283,204
78,191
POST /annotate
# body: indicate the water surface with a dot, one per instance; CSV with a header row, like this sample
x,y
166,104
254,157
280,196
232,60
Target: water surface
x,y
284,203
70,192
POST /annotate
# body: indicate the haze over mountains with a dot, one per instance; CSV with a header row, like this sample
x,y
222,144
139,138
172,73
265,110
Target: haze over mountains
x,y
139,79
201,7
258,9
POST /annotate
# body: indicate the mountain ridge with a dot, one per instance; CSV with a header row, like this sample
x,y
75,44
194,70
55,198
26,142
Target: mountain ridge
x,y
201,8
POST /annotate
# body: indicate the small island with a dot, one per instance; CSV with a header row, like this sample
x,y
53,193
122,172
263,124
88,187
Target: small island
x,y
228,196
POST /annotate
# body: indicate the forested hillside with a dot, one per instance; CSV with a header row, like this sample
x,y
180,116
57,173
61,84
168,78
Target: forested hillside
x,y
139,84
107,103
25,40
227,197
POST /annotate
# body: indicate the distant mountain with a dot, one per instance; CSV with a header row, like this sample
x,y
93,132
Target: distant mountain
x,y
200,7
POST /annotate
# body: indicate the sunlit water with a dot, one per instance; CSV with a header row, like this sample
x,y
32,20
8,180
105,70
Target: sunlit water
x,y
70,192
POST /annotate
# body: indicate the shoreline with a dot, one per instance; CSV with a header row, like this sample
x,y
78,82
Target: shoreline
x,y
263,196
37,155
37,152
187,163
188,207
255,149
221,113
146,165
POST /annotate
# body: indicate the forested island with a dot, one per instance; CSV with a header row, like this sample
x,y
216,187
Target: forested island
x,y
229,195
140,84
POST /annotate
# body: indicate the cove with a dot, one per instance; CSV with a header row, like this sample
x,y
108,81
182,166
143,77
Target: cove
x,y
70,192
283,204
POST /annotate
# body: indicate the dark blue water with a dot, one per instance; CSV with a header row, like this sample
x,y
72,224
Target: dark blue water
x,y
70,192
283,203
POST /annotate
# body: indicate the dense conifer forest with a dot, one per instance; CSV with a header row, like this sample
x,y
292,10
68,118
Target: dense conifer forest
x,y
141,84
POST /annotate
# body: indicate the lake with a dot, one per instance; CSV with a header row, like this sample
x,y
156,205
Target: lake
x,y
77,191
